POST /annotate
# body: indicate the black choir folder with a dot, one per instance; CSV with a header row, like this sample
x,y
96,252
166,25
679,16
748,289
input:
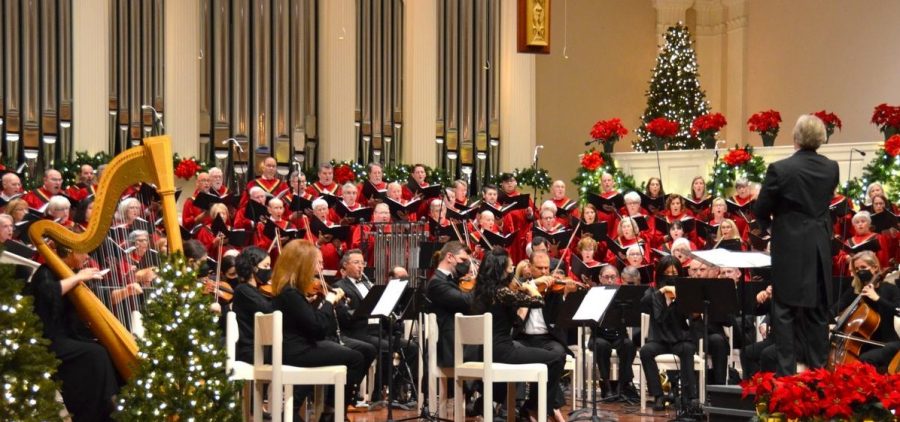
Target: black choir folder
x,y
518,202
607,205
337,232
697,207
586,272
654,205
559,237
358,214
236,237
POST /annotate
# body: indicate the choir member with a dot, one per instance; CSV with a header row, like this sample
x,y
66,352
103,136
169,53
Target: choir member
x,y
375,175
307,326
728,237
128,212
676,231
39,197
550,225
264,242
874,189
437,218
493,294
559,198
12,187
268,181
633,209
608,190
634,257
699,194
883,297
58,208
325,185
254,269
669,333
17,208
209,239
191,215
519,221
247,222
461,188
85,185
862,225
89,380
630,275
605,340
681,250
629,235
881,204
654,190
363,237
217,182
349,195
331,248
395,193
417,175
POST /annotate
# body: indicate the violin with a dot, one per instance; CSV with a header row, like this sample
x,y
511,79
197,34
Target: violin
x,y
266,289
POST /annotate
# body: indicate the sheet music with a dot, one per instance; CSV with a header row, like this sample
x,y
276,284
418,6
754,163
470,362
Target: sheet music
x,y
726,258
595,303
389,298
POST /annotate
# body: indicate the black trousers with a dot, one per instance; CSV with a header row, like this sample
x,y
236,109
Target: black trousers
x,y
759,356
550,344
327,353
685,351
410,350
718,355
88,378
801,334
555,362
880,357
625,350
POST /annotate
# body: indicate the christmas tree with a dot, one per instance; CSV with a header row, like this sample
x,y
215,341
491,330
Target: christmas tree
x,y
674,92
182,359
27,388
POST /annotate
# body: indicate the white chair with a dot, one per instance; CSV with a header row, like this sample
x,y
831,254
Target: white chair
x,y
267,332
437,376
237,370
476,330
670,362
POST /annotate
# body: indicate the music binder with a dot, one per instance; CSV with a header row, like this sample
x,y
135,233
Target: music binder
x,y
204,200
745,210
598,231
337,232
462,215
697,207
489,239
254,211
369,191
688,223
884,220
610,205
653,205
300,203
560,237
518,202
870,244
565,209
269,230
236,237
397,207
587,272
358,214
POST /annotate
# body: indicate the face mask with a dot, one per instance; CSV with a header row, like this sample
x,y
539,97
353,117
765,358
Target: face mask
x,y
203,270
263,275
461,268
231,280
864,275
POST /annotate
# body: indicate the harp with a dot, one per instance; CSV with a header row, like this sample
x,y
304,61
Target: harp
x,y
149,163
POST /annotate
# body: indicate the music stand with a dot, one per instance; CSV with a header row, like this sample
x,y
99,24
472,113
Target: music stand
x,y
625,311
714,298
587,309
380,303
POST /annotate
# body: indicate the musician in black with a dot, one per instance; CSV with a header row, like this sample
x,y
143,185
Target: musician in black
x,y
445,298
254,269
88,378
718,342
493,294
882,297
605,340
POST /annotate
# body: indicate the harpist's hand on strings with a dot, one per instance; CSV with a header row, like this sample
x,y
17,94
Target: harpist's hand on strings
x,y
88,274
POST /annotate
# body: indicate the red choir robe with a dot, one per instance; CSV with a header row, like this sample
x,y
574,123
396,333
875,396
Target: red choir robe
x,y
317,189
271,186
37,198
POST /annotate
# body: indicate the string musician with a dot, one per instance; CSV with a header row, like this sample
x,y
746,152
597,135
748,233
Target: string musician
x,y
879,296
310,326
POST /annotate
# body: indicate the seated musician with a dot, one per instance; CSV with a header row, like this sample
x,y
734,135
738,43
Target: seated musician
x,y
89,380
445,298
85,185
191,215
349,195
268,181
273,245
676,231
39,197
331,248
241,219
540,329
58,208
728,237
881,297
325,184
718,342
669,333
254,269
862,225
375,179
495,292
559,198
605,340
309,317
699,194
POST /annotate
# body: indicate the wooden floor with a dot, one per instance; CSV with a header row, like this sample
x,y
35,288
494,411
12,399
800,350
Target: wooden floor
x,y
617,412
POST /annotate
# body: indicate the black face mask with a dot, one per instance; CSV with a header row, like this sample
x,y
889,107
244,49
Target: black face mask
x,y
864,276
461,268
231,280
203,270
263,275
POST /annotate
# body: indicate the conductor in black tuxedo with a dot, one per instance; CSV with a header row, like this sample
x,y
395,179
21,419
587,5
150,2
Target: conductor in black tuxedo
x,y
445,298
793,204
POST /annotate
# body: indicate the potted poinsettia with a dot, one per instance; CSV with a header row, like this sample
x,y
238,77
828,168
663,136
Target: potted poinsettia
x,y
831,121
887,118
662,130
706,127
607,133
766,123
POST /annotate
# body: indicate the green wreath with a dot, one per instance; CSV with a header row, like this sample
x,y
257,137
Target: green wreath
x,y
593,165
738,162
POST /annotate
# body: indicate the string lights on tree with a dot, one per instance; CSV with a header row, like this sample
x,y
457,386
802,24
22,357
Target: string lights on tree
x,y
674,93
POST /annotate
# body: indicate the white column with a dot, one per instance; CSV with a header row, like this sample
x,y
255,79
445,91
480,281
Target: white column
x,y
337,79
710,41
419,81
735,69
518,128
182,75
90,74
668,13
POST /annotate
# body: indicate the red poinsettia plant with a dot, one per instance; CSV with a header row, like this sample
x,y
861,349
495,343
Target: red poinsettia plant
x,y
662,127
886,116
708,124
592,160
606,131
187,168
343,174
737,157
831,121
853,391
892,146
765,122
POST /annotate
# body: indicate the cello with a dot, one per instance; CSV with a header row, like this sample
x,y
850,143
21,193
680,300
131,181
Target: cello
x,y
854,328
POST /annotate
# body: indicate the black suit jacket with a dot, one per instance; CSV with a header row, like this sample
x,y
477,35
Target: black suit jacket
x,y
446,299
350,326
794,201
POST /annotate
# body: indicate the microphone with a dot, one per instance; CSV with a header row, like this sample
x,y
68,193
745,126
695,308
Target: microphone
x,y
156,116
860,152
235,142
588,143
534,156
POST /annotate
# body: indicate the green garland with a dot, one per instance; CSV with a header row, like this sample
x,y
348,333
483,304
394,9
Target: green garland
x,y
536,179
27,387
723,175
589,181
71,169
883,169
392,173
854,189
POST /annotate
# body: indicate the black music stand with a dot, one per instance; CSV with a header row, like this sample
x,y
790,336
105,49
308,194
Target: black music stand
x,y
624,311
714,298
587,309
380,303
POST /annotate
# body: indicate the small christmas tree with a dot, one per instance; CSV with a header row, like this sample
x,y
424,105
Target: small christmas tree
x,y
27,388
674,92
182,360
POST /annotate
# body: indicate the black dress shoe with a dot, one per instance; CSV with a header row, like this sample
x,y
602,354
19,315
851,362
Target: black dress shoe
x,y
659,403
